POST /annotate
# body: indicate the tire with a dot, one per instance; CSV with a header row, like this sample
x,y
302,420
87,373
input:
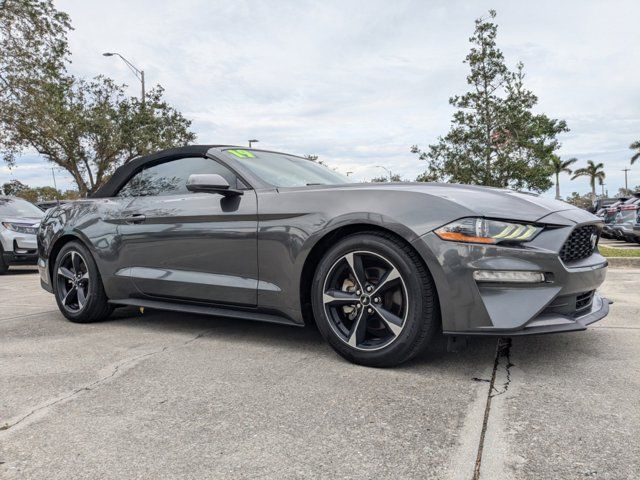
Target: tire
x,y
4,268
75,268
400,309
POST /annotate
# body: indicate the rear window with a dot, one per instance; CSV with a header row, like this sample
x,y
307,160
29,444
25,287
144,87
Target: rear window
x,y
17,207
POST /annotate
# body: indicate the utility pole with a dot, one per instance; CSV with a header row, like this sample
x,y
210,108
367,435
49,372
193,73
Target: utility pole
x,y
626,185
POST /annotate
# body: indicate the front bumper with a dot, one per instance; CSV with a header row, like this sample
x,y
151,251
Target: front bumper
x,y
566,301
18,248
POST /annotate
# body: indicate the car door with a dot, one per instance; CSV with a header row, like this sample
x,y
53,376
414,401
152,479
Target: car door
x,y
187,246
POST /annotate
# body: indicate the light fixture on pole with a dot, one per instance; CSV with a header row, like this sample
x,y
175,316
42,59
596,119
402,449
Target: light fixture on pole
x,y
136,71
253,141
388,171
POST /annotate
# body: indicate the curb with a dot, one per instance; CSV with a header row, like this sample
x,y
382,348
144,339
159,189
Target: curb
x,y
624,262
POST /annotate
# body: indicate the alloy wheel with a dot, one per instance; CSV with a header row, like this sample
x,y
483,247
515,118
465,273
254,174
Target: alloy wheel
x,y
73,282
365,299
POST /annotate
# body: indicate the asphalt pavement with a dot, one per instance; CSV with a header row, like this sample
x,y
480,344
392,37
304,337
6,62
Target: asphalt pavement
x,y
165,395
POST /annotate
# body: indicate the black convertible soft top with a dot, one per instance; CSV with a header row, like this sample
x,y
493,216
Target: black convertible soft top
x,y
126,171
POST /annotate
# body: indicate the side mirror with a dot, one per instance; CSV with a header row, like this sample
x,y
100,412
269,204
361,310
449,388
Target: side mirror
x,y
210,183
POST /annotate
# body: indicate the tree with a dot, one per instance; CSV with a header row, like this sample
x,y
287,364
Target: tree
x,y
627,192
394,178
636,147
91,128
559,166
33,44
16,188
581,201
594,172
88,128
495,138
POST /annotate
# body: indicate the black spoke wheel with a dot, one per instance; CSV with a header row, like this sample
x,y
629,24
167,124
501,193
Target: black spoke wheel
x,y
72,277
78,286
373,300
365,300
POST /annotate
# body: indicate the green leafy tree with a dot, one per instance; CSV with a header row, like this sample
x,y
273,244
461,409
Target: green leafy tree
x,y
394,178
594,171
559,166
33,44
581,201
635,146
14,188
495,138
87,127
627,192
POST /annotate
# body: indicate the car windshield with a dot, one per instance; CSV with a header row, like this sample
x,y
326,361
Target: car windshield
x,y
16,207
282,170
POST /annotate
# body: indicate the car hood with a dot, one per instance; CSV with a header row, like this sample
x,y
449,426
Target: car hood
x,y
486,201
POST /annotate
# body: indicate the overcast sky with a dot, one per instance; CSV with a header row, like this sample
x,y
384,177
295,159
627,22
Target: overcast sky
x,y
359,82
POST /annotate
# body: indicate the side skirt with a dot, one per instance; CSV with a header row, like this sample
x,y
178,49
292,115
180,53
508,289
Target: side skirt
x,y
206,310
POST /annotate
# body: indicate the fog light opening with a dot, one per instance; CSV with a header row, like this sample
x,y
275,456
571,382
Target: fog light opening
x,y
508,276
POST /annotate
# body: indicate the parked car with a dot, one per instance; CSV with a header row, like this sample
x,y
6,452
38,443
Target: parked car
x,y
19,221
609,218
636,229
604,203
622,228
380,267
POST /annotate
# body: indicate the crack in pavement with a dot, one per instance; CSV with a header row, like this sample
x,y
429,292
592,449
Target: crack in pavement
x,y
5,320
503,350
96,383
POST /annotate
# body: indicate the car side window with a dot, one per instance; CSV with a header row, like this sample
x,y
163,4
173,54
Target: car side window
x,y
170,178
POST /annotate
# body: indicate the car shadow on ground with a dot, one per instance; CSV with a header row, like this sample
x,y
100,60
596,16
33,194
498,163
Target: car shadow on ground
x,y
20,271
286,337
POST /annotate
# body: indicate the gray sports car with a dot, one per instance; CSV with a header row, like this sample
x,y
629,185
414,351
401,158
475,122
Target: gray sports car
x,y
260,235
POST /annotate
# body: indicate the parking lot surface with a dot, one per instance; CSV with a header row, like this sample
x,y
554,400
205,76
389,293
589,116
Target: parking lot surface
x,y
165,395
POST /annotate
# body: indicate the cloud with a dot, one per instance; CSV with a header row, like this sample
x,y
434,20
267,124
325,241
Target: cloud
x,y
359,82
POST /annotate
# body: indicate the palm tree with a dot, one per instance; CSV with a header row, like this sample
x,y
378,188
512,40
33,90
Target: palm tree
x,y
635,146
557,167
594,172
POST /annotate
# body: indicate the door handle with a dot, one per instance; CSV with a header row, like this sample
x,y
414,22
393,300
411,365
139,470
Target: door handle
x,y
136,218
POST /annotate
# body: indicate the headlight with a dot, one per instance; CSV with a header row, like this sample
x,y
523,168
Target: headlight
x,y
20,228
482,230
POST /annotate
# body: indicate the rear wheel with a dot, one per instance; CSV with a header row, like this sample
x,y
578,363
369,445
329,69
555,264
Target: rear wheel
x,y
374,301
77,285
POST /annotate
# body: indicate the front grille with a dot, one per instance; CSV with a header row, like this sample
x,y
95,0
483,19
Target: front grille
x,y
580,244
584,300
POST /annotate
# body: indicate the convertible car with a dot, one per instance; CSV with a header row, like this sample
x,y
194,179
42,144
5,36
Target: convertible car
x,y
380,267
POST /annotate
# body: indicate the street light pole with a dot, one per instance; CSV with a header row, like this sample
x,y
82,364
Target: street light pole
x,y
136,71
253,141
388,171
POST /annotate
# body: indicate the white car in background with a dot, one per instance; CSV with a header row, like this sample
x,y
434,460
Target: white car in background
x,y
19,222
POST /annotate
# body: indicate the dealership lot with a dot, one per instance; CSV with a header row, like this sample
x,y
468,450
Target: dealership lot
x,y
158,395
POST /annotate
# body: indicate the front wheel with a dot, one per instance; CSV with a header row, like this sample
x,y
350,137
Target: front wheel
x,y
77,285
374,301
